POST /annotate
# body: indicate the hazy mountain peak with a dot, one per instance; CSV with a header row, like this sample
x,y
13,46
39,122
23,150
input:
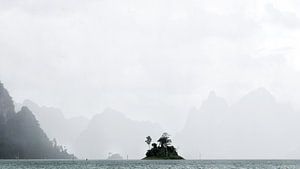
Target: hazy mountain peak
x,y
112,113
55,124
7,108
259,96
25,109
261,91
29,102
214,102
37,109
25,114
113,131
212,94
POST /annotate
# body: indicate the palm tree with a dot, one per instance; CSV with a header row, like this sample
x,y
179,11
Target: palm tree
x,y
148,141
165,141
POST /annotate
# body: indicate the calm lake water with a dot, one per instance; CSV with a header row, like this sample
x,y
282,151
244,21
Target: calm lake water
x,y
140,164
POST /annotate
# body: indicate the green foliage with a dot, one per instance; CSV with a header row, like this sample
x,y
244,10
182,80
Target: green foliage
x,y
23,138
164,151
21,135
148,141
164,140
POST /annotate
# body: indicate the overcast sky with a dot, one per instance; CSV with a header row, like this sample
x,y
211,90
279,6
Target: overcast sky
x,y
148,59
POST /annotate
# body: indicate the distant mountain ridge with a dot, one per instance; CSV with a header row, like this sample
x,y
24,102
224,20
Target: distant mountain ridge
x,y
112,131
21,136
66,130
79,134
253,127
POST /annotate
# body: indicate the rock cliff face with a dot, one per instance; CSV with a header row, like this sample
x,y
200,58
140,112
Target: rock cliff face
x,y
66,130
7,109
21,135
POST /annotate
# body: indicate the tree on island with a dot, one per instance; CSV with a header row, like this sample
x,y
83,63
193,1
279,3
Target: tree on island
x,y
164,150
148,141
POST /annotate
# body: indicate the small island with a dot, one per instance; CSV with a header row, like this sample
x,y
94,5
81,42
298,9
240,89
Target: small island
x,y
163,150
115,156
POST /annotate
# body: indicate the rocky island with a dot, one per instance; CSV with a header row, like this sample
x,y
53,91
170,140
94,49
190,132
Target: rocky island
x,y
163,150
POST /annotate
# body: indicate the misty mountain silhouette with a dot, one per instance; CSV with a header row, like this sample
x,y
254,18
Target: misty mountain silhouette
x,y
66,130
7,109
21,135
260,98
112,131
253,127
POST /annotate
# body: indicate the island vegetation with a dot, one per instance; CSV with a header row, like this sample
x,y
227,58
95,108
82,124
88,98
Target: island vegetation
x,y
163,150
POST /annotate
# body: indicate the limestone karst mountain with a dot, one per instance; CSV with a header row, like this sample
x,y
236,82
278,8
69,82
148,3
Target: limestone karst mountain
x,y
112,131
253,127
66,130
6,104
203,127
21,135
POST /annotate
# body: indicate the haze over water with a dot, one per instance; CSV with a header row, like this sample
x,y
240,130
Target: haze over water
x,y
95,78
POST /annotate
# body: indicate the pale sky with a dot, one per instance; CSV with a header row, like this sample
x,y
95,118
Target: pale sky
x,y
151,60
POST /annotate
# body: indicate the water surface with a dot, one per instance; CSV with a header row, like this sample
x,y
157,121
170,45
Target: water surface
x,y
142,164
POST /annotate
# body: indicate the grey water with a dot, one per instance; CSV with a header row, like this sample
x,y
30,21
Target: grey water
x,y
144,164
